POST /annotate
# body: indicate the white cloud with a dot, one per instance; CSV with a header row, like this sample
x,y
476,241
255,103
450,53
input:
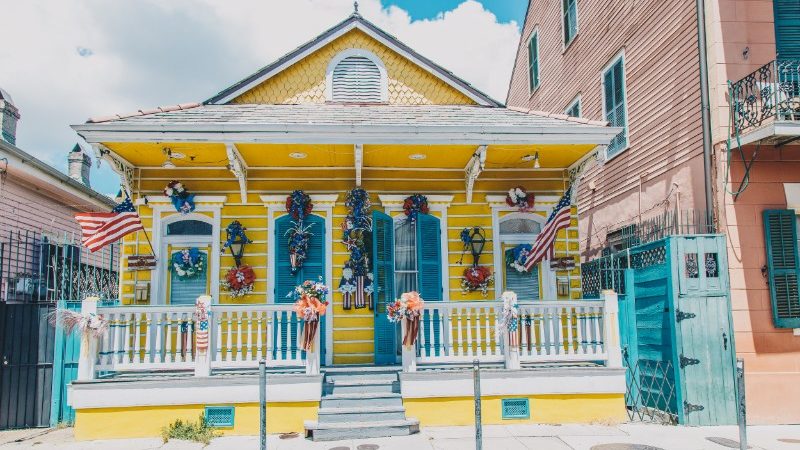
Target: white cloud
x,y
72,59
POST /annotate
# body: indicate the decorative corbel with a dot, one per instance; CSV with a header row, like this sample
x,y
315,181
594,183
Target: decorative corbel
x,y
117,163
575,172
474,168
358,154
237,165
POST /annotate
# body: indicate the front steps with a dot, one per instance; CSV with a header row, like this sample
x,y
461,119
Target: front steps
x,y
360,403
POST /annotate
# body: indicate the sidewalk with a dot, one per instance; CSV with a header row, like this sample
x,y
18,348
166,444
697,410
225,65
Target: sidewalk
x,y
496,437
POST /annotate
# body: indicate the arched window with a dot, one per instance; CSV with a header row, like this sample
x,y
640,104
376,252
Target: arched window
x,y
185,233
356,76
520,229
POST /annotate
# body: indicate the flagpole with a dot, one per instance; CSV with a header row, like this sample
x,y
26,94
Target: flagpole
x,y
148,242
144,230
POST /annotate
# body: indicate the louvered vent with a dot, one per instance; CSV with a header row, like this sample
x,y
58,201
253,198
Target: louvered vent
x,y
515,408
356,79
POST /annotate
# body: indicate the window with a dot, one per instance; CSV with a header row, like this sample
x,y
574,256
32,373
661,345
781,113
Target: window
x,y
787,24
569,11
357,76
574,108
614,107
533,61
189,228
783,266
516,230
405,257
179,233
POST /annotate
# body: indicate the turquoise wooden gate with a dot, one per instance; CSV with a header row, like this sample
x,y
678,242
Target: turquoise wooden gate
x,y
677,337
65,369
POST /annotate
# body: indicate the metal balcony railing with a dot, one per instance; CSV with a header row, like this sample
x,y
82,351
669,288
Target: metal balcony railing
x,y
770,94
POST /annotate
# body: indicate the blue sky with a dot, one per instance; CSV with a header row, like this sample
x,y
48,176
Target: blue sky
x,y
505,10
75,59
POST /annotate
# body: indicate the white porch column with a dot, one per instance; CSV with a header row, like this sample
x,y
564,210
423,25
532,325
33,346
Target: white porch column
x,y
611,328
88,357
511,352
409,352
202,336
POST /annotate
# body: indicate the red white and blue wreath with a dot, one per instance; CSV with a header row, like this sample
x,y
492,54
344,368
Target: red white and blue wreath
x,y
516,257
521,199
298,205
356,284
414,205
188,263
181,199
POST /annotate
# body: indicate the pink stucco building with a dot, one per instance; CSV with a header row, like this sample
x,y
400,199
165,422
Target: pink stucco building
x,y
639,66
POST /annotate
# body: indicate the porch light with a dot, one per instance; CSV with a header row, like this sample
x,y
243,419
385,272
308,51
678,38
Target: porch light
x,y
417,157
534,158
477,240
236,241
297,155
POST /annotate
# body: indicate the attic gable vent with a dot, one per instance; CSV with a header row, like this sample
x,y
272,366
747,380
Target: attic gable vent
x,y
357,77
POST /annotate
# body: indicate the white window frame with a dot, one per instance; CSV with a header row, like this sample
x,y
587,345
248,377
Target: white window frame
x,y
364,54
531,88
618,57
564,44
547,280
575,101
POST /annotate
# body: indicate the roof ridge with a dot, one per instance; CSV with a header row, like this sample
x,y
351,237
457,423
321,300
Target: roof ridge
x,y
583,120
144,112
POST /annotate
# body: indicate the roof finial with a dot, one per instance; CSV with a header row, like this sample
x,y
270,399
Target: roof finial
x,y
355,7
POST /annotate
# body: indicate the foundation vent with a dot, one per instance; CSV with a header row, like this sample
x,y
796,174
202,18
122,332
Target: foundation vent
x,y
515,408
219,416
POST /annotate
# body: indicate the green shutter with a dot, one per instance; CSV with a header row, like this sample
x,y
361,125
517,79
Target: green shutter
x,y
787,28
780,228
285,281
429,258
383,278
570,19
615,108
533,61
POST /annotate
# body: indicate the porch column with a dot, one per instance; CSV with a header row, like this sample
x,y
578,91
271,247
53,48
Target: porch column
x,y
611,328
88,357
202,336
409,352
511,351
312,356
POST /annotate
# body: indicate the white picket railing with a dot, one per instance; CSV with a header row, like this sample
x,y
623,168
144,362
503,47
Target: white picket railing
x,y
163,337
561,331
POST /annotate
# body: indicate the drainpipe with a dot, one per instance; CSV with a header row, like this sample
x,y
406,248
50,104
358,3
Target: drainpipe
x,y
704,101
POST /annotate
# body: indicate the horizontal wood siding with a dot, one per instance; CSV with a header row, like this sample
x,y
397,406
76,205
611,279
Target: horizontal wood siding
x,y
24,208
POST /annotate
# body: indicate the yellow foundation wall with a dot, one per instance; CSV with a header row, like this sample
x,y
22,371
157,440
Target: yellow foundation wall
x,y
572,408
148,421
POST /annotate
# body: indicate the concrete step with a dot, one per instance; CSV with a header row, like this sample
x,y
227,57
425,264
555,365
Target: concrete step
x,y
354,385
356,400
361,414
361,376
359,430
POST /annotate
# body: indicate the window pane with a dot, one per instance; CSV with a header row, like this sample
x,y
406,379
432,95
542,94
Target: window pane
x,y
520,226
405,257
185,292
524,284
189,228
533,61
615,108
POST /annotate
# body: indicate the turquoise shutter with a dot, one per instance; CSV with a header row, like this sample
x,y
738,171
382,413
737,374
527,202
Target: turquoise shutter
x,y
614,90
383,273
787,28
780,228
429,258
284,280
314,266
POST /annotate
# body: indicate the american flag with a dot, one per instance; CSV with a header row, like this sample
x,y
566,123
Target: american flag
x,y
100,229
558,220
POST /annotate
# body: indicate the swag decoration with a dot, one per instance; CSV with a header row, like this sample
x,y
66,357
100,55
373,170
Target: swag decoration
x,y
521,199
239,281
89,324
409,308
515,259
356,284
508,321
298,205
414,205
310,307
181,199
189,263
477,278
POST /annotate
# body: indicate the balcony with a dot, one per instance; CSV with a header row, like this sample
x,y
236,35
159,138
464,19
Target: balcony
x,y
765,105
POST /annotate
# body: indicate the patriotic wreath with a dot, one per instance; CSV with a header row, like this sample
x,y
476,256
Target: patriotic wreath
x,y
518,197
415,204
239,281
182,200
299,205
477,278
516,257
188,263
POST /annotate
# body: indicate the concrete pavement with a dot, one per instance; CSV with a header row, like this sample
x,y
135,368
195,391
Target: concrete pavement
x,y
496,437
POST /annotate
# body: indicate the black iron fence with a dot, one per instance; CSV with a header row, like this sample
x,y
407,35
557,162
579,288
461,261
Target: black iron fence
x,y
37,267
771,93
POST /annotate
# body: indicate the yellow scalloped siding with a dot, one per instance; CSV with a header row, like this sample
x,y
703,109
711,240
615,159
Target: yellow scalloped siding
x,y
304,82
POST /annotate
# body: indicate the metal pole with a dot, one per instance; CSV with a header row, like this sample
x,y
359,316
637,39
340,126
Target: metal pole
x,y
476,377
741,409
262,400
705,109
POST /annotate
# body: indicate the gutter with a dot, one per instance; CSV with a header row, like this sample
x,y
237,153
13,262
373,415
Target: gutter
x,y
705,105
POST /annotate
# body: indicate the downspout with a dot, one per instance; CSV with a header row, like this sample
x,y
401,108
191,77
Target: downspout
x,y
705,108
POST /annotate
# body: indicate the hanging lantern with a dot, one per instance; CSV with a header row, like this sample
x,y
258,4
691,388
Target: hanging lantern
x,y
477,241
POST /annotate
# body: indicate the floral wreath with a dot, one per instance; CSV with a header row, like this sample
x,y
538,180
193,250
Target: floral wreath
x,y
357,201
518,197
239,281
299,205
182,200
311,304
408,306
517,256
415,204
188,263
477,278
233,231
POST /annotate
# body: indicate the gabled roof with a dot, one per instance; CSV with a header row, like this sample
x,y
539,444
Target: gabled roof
x,y
355,21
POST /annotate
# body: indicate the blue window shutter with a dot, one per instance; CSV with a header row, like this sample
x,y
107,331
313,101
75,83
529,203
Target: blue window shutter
x,y
185,292
285,281
787,28
429,258
383,273
780,228
314,266
533,61
615,107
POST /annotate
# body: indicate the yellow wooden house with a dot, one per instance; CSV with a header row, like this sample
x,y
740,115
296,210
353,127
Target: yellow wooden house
x,y
353,108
